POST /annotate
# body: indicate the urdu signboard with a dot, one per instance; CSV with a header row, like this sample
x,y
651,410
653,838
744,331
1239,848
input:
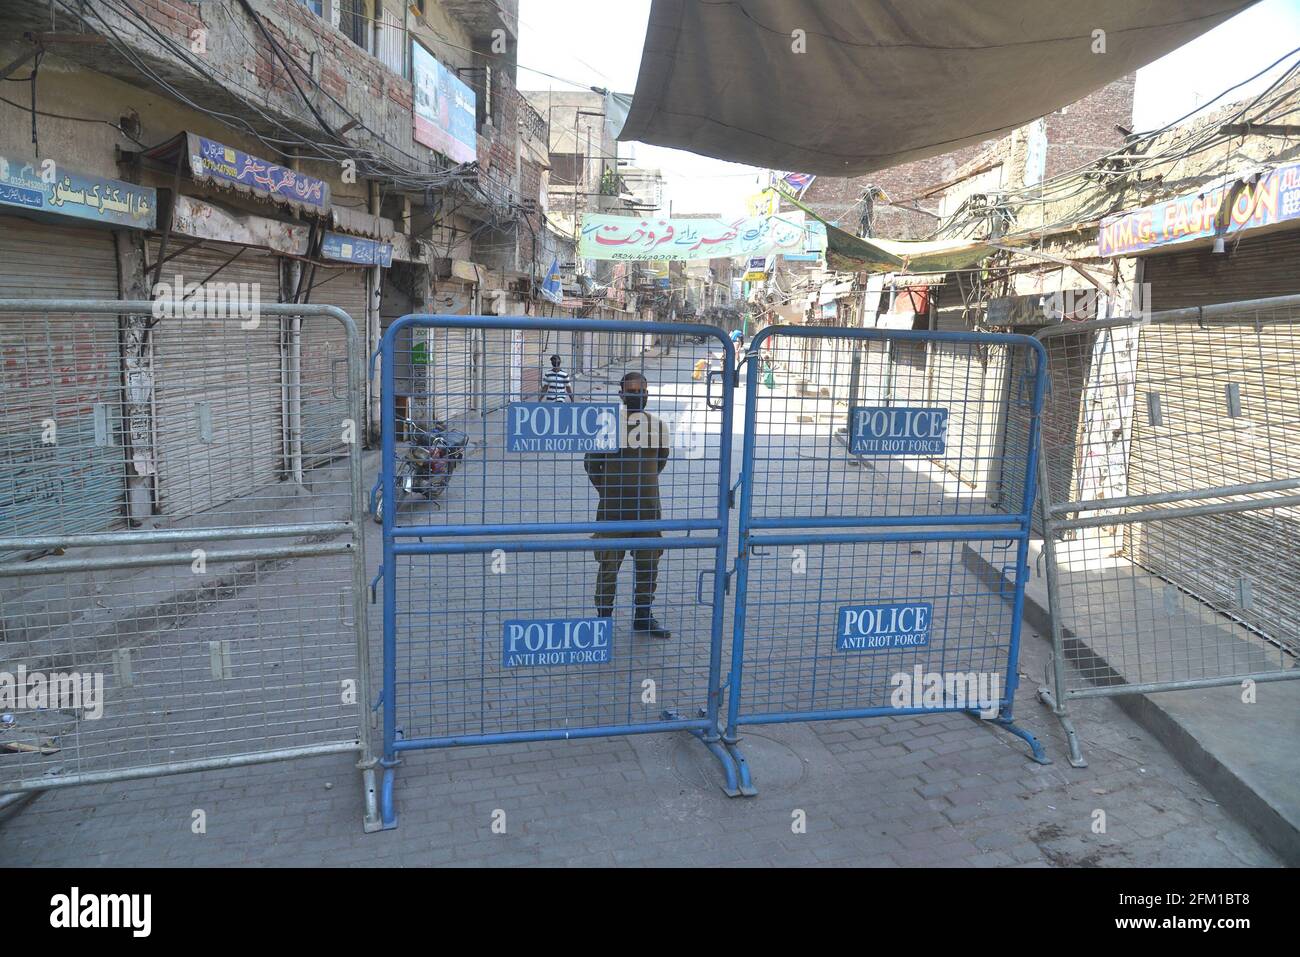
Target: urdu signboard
x,y
59,191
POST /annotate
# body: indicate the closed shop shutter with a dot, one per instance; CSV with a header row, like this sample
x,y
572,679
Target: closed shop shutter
x,y
1211,555
1255,268
218,398
442,360
324,365
64,368
1198,443
968,381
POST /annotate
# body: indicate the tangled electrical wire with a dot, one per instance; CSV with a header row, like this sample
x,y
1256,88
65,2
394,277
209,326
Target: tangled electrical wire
x,y
390,165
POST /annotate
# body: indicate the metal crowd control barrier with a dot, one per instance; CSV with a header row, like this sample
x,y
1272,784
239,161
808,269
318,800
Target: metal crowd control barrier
x,y
1168,500
864,476
515,572
181,572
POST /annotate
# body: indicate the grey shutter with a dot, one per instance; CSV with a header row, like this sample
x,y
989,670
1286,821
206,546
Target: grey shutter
x,y
218,395
324,365
1200,442
61,367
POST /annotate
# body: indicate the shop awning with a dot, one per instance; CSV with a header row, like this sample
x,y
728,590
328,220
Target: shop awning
x,y
848,253
224,166
840,88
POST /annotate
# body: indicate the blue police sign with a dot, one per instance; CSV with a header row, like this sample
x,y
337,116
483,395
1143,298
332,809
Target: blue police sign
x,y
883,627
897,431
562,427
540,642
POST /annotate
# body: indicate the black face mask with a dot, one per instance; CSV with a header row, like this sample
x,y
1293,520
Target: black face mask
x,y
635,401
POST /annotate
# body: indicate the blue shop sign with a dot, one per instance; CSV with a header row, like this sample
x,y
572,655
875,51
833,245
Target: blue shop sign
x,y
213,161
355,249
93,198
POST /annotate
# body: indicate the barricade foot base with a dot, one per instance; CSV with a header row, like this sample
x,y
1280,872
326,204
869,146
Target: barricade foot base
x,y
387,812
747,788
1077,760
370,792
1004,721
731,784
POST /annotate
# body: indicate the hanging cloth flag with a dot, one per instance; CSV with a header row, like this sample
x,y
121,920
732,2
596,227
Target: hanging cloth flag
x,y
552,289
796,183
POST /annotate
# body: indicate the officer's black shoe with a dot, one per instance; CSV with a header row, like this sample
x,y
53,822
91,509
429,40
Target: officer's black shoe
x,y
647,626
604,612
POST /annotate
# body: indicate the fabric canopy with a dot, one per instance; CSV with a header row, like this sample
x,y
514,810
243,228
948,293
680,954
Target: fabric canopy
x,y
848,253
843,88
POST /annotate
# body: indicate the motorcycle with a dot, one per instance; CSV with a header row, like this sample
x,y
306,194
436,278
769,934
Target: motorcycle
x,y
426,467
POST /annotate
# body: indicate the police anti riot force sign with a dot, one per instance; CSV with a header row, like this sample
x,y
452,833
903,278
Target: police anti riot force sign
x,y
883,627
563,427
539,642
897,430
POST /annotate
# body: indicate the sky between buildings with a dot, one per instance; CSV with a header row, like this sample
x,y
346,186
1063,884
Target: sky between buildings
x,y
598,43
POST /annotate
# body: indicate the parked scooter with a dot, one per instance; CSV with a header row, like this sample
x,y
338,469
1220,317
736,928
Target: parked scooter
x,y
426,467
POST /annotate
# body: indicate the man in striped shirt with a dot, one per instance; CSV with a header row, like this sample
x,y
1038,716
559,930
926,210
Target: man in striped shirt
x,y
555,384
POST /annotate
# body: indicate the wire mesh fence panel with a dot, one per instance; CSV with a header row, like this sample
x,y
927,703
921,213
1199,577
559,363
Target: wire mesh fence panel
x,y
166,665
1171,537
483,384
180,590
554,550
516,643
870,468
861,627
893,426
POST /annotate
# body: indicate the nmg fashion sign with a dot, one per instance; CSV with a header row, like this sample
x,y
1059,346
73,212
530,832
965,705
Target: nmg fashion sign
x,y
1274,198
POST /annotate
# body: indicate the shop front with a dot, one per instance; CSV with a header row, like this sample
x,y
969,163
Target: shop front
x,y
63,463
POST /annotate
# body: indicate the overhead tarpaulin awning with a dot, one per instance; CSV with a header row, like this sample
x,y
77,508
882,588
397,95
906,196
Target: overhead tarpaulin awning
x,y
839,88
847,253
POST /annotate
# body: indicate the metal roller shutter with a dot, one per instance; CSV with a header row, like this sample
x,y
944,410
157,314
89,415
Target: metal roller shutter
x,y
443,365
324,365
218,396
1198,442
64,368
1255,268
1216,556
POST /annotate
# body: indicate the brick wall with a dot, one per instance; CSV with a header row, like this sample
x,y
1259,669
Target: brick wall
x,y
1087,129
246,66
1075,135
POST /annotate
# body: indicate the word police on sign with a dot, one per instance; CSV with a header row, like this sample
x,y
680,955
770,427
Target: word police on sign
x,y
556,641
562,427
897,431
881,627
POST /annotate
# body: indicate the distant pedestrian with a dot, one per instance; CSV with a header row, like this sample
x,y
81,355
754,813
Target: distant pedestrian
x,y
556,386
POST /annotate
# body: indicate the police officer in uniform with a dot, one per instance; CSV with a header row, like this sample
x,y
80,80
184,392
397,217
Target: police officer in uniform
x,y
627,481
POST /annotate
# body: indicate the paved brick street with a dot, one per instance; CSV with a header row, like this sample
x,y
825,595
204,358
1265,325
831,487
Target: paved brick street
x,y
932,790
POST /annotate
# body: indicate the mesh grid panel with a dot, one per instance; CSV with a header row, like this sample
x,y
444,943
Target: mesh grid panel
x,y
1202,415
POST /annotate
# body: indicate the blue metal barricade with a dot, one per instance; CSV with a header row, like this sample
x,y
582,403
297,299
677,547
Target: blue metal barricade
x,y
518,493
874,463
